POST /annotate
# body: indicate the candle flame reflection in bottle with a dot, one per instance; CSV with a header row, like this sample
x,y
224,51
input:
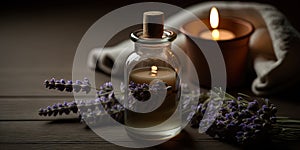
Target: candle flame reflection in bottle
x,y
154,71
215,34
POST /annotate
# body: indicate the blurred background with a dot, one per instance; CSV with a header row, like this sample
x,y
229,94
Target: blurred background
x,y
42,36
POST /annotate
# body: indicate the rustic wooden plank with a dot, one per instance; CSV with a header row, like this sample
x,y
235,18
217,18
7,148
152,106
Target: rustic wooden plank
x,y
27,108
170,145
69,132
108,146
217,145
64,146
29,82
66,130
55,135
45,131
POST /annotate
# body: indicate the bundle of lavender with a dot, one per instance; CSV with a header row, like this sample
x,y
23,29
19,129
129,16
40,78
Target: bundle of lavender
x,y
241,120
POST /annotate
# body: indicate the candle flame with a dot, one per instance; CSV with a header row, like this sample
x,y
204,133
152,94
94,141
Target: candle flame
x,y
214,23
214,17
154,71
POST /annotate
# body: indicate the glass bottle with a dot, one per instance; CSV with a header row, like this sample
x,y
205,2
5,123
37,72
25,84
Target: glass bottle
x,y
153,97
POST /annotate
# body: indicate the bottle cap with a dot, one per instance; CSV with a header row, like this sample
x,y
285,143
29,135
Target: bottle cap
x,y
153,24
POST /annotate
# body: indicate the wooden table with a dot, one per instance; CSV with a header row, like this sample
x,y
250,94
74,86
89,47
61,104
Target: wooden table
x,y
40,44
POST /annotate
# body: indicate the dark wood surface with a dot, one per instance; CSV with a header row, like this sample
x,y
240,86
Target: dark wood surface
x,y
39,43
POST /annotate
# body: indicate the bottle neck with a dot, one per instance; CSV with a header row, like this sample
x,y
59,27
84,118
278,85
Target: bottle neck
x,y
152,48
168,36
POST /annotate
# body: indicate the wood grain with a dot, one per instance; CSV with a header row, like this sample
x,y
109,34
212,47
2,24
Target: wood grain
x,y
26,108
29,82
45,135
73,134
45,131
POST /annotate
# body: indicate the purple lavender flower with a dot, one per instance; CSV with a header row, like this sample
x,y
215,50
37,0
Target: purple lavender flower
x,y
240,121
86,86
50,84
69,86
90,109
77,86
140,91
60,84
59,108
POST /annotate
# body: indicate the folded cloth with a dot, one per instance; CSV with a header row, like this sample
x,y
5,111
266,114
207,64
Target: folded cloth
x,y
274,46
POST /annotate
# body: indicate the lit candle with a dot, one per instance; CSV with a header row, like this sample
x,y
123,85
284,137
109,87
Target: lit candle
x,y
154,71
215,33
168,106
146,75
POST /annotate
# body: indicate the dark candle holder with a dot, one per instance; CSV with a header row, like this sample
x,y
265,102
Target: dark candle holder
x,y
234,50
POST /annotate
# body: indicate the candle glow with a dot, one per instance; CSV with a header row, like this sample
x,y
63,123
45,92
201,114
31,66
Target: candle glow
x,y
153,71
216,33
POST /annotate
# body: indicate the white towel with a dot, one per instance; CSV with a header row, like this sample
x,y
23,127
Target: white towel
x,y
274,46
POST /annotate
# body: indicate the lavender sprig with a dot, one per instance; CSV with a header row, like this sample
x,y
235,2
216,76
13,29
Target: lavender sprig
x,y
91,112
140,91
59,108
245,120
90,109
69,85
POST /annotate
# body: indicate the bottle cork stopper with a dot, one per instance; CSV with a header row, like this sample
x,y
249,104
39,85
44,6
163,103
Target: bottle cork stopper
x,y
153,24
